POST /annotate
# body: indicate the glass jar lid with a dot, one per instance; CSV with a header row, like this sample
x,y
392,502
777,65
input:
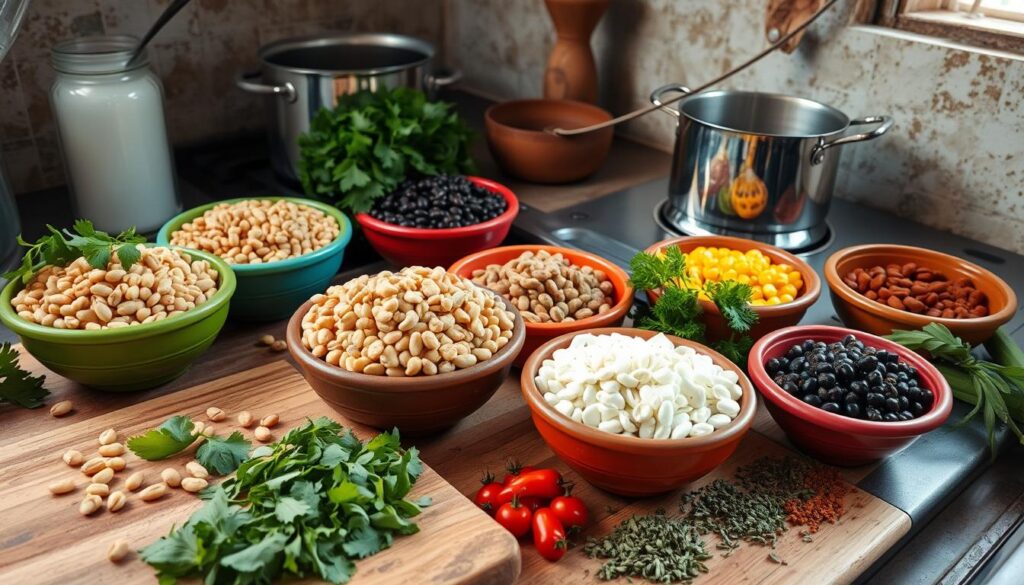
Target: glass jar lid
x,y
96,55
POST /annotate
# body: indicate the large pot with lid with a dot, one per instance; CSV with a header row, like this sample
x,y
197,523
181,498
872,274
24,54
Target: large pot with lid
x,y
758,165
302,75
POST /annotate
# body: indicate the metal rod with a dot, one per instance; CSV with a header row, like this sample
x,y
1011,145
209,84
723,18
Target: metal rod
x,y
644,111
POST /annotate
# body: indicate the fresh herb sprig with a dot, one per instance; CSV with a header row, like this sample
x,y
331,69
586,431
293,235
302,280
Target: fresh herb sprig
x,y
219,455
17,386
372,141
309,505
989,383
678,312
60,248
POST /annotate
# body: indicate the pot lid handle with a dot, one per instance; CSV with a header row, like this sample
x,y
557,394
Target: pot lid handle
x,y
884,124
245,82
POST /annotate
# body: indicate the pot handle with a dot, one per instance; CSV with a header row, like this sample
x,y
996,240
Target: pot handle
x,y
671,87
884,124
245,82
436,82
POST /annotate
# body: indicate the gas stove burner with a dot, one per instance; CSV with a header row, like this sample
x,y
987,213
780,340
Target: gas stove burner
x,y
801,243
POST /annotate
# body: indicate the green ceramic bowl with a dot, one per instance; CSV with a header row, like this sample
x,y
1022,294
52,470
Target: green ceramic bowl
x,y
272,291
129,358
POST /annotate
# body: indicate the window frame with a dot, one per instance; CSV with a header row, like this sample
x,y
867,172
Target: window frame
x,y
935,18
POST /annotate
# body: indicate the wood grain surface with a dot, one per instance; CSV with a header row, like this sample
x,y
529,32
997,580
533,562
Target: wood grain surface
x,y
44,539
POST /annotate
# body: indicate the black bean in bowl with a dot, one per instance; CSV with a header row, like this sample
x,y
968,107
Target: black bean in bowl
x,y
851,379
444,201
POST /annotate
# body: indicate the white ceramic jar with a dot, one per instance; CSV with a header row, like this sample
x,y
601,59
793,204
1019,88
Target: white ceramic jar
x,y
112,132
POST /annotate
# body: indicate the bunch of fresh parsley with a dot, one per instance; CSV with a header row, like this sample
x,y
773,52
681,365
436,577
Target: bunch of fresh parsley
x,y
678,312
307,506
17,386
371,141
59,248
219,455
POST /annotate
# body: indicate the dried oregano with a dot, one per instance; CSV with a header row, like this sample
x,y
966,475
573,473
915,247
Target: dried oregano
x,y
654,547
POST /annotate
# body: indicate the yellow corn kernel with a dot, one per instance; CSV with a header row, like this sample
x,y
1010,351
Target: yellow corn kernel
x,y
785,298
773,300
769,290
743,279
787,289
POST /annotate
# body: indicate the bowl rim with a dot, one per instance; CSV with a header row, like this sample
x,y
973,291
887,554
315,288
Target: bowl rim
x,y
941,408
512,209
35,331
535,399
489,114
852,297
812,282
399,385
335,246
619,309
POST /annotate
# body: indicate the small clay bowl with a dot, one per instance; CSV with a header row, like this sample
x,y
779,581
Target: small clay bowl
x,y
631,466
521,146
859,312
539,333
417,405
770,317
834,438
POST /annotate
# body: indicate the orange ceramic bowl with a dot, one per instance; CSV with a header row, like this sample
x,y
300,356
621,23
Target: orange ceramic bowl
x,y
859,312
632,466
771,317
539,333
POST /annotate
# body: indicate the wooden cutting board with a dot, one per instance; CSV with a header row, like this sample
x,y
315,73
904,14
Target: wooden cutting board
x,y
838,554
44,539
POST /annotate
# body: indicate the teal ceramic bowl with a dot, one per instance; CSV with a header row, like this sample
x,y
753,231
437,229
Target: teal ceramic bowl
x,y
272,291
130,358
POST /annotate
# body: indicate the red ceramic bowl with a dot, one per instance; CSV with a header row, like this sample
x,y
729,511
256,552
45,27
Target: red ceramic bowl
x,y
539,333
632,466
834,438
770,317
406,246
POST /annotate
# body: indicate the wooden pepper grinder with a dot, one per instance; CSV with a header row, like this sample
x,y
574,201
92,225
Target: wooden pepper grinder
x,y
572,73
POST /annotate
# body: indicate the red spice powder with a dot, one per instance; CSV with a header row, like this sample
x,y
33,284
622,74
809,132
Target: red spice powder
x,y
825,505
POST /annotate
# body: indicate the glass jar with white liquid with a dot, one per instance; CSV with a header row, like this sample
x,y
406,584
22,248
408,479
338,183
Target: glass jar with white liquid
x,y
112,132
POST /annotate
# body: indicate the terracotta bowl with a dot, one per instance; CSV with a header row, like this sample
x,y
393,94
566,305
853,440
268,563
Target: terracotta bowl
x,y
770,318
518,141
834,438
539,333
632,466
412,246
859,312
417,405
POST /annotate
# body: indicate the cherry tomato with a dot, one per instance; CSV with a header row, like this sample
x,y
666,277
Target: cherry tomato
x,y
549,535
486,497
514,517
570,511
515,469
533,503
543,483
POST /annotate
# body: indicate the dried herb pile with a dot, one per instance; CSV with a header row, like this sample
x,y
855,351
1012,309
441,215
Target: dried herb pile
x,y
655,547
767,497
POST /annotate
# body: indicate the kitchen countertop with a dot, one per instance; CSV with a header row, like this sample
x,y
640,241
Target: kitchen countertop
x,y
947,551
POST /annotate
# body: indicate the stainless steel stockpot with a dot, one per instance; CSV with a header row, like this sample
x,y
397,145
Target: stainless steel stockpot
x,y
309,73
757,164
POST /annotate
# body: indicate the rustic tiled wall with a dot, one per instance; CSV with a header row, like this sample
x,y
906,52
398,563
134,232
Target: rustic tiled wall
x,y
954,160
197,55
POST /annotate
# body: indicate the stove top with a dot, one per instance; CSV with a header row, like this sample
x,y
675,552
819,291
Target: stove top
x,y
931,471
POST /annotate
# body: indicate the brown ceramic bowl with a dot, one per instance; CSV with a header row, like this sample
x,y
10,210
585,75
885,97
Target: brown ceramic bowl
x,y
538,333
859,312
518,141
771,317
417,405
632,466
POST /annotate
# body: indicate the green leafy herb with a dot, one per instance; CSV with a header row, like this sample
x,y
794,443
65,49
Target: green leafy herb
x,y
985,384
61,248
170,438
222,456
17,386
678,310
371,141
308,506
